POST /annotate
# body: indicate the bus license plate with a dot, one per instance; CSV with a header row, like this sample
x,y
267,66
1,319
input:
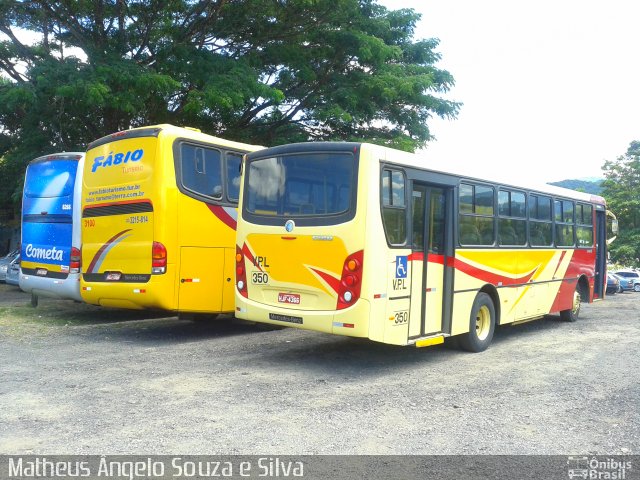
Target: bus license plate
x,y
292,298
41,272
113,276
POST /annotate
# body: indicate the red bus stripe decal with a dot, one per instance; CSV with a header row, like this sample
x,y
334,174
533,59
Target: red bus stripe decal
x,y
333,282
490,277
103,248
223,216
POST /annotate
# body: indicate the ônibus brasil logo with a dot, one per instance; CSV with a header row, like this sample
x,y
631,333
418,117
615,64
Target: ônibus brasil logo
x,y
117,159
43,253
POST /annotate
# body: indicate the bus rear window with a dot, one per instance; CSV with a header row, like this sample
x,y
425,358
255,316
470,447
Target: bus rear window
x,y
50,179
303,185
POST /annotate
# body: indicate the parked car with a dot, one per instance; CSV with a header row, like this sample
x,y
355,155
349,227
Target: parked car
x,y
625,285
5,261
612,284
13,272
633,275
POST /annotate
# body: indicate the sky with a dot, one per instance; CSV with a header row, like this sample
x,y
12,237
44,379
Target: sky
x,y
550,88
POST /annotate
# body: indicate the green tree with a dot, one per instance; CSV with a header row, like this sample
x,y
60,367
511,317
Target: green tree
x,y
260,71
621,188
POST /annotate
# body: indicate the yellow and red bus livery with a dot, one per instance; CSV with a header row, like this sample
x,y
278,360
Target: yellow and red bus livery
x,y
361,240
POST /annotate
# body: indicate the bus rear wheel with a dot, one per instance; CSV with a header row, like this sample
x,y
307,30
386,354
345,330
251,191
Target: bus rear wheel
x,y
482,324
571,315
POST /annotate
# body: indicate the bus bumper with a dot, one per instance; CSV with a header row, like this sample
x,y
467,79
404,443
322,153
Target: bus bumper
x,y
67,288
352,321
157,293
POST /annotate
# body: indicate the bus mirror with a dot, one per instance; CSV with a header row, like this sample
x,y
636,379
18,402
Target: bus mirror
x,y
612,227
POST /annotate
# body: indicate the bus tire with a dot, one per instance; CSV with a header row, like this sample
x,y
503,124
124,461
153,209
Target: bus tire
x,y
571,315
482,324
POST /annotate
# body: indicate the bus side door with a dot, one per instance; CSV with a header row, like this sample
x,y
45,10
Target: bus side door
x,y
429,207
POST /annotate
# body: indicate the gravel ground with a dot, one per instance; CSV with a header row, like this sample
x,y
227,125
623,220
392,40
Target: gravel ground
x,y
77,379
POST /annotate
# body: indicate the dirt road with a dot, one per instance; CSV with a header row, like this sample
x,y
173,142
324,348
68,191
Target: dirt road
x,y
77,379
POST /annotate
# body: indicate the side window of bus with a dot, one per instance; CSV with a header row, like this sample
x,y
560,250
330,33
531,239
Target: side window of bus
x,y
512,220
540,232
394,211
584,228
233,176
201,170
476,225
564,214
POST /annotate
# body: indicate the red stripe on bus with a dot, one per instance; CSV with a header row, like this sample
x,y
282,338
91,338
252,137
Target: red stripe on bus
x,y
247,253
333,282
491,277
223,216
95,258
562,254
431,258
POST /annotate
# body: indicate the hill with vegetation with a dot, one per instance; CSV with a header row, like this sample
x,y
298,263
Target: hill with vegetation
x,y
587,186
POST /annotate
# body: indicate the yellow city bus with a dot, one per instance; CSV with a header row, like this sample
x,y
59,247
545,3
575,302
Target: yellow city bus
x,y
158,224
361,240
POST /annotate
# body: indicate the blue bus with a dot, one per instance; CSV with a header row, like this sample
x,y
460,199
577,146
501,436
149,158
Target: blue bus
x,y
50,247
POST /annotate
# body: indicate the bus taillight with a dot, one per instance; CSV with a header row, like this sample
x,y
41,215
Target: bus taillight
x,y
75,261
351,281
241,273
158,258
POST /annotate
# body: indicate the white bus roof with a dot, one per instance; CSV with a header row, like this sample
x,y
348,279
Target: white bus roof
x,y
421,160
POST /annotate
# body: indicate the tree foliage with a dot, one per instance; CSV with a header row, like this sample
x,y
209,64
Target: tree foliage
x,y
260,71
621,188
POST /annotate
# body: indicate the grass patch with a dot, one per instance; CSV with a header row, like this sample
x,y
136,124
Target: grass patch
x,y
56,313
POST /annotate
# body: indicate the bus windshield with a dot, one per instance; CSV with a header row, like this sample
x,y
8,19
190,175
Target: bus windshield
x,y
300,185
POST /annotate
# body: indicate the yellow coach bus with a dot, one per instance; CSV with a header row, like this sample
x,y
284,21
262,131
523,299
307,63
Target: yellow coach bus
x,y
361,240
158,220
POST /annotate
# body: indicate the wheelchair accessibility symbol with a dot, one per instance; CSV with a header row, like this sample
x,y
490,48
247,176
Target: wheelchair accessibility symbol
x,y
401,267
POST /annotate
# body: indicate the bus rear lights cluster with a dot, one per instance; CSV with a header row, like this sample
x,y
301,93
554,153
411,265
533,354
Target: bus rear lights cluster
x,y
241,274
75,261
158,258
351,280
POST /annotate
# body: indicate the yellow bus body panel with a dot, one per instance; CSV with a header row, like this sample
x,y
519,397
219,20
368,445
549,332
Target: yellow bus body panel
x,y
285,259
308,262
201,289
535,275
118,243
199,237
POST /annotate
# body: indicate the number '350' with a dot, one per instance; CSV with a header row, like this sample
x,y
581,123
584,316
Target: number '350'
x,y
260,277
